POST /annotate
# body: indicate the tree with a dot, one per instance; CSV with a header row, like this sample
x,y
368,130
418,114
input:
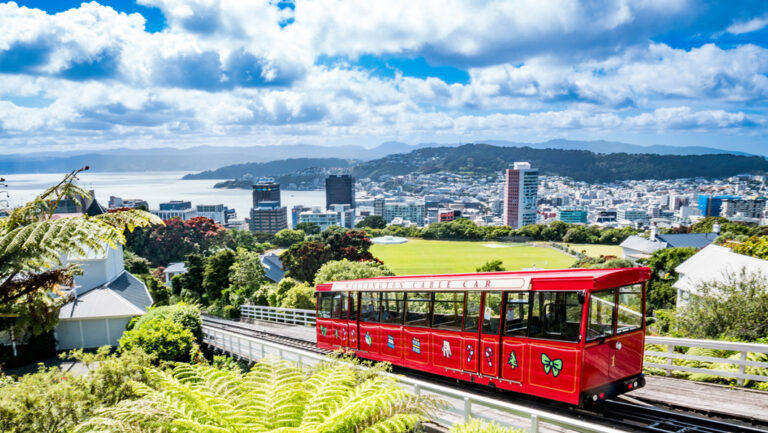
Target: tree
x,y
274,396
216,275
372,221
735,309
754,246
177,239
246,239
300,296
660,292
191,286
31,241
310,228
492,266
246,277
287,237
339,270
135,264
162,337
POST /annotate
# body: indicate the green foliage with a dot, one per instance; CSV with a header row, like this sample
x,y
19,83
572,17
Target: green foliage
x,y
339,270
191,282
162,337
246,276
216,275
734,309
302,261
52,401
492,266
479,426
310,228
160,292
754,246
299,296
188,315
276,296
372,221
177,239
663,262
247,240
31,244
286,238
274,396
135,264
457,229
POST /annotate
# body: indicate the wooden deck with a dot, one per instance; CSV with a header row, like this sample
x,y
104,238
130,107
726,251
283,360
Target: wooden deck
x,y
705,397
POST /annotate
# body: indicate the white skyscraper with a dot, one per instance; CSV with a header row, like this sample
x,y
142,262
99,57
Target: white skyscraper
x,y
520,193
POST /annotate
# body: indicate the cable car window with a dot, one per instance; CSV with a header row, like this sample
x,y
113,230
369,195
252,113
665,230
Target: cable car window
x,y
516,316
369,306
340,305
448,310
492,313
392,307
417,309
601,314
555,316
352,306
325,305
472,314
630,311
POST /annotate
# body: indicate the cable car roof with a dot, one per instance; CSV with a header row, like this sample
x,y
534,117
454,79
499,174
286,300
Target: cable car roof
x,y
507,281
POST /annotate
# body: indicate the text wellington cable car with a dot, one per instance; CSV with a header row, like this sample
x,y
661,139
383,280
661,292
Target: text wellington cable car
x,y
573,335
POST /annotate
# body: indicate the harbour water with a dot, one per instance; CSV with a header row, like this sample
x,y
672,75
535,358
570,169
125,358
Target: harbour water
x,y
154,187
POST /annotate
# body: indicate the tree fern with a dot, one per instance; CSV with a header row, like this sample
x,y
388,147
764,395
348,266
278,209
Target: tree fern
x,y
275,396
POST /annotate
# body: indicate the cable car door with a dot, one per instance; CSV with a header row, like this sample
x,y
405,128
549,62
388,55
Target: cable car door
x,y
470,333
514,335
489,334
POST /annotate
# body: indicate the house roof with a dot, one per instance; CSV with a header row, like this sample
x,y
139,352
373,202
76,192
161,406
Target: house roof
x,y
124,296
695,240
713,264
176,268
642,244
273,267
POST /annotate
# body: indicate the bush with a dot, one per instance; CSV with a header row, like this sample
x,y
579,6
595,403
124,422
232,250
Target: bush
x,y
187,315
135,264
163,337
479,426
299,296
339,270
492,266
286,238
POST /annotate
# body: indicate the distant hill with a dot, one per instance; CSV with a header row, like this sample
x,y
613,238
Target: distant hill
x,y
271,169
602,146
485,159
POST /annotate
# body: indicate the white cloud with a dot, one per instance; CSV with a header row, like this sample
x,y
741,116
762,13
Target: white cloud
x,y
750,26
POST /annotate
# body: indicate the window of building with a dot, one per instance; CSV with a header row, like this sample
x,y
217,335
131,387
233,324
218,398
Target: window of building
x,y
448,310
472,313
555,315
369,306
516,315
325,305
353,305
492,313
601,314
392,307
417,309
630,311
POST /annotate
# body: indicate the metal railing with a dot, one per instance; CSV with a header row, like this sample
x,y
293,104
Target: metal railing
x,y
460,405
307,317
742,348
293,316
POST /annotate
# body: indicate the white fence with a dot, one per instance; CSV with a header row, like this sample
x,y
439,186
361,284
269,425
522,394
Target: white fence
x,y
307,317
293,316
742,348
461,405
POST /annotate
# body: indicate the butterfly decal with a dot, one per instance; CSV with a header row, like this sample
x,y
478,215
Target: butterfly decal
x,y
512,361
323,330
336,332
554,365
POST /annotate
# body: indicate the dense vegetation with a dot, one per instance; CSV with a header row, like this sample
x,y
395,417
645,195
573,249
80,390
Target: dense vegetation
x,y
254,170
582,165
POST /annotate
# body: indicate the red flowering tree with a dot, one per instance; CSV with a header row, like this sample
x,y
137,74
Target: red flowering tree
x,y
177,239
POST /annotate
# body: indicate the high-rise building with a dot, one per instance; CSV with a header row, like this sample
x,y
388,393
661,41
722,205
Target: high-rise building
x,y
216,212
176,205
710,206
378,206
339,189
572,214
296,213
520,194
268,217
413,211
265,189
743,208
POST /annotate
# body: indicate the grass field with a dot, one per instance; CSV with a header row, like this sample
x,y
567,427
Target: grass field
x,y
419,256
596,250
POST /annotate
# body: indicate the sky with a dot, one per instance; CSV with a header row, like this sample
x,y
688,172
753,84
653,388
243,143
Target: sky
x,y
160,73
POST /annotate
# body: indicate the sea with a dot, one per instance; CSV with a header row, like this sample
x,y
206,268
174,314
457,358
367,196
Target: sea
x,y
154,187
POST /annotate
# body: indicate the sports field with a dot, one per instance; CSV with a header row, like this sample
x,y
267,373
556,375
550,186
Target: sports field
x,y
418,256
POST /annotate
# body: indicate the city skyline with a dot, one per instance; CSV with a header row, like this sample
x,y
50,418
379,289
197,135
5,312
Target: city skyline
x,y
170,73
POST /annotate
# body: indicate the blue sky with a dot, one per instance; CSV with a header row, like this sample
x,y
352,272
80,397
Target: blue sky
x,y
157,73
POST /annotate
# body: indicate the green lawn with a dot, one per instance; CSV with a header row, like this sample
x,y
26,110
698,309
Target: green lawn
x,y
418,256
597,250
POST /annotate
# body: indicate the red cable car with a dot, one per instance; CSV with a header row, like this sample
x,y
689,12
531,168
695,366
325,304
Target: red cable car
x,y
574,335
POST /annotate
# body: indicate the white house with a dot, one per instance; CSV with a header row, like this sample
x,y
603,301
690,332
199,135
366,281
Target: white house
x,y
105,298
173,269
713,264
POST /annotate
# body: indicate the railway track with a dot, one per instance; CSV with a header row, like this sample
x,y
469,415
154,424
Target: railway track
x,y
631,416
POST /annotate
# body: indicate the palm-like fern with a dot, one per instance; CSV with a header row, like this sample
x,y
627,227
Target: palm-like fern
x,y
275,396
31,240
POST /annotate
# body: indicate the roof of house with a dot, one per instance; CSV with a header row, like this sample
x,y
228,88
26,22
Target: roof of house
x,y
695,240
273,267
639,243
176,268
124,296
713,264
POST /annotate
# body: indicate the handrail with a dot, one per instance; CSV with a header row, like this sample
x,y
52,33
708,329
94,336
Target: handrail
x,y
464,403
307,317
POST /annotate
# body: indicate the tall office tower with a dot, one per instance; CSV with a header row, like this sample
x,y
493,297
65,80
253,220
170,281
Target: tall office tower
x,y
339,189
268,217
520,193
265,189
378,206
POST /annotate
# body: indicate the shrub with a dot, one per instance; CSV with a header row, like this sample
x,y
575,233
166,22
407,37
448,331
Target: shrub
x,y
299,296
479,426
163,337
492,266
188,315
339,270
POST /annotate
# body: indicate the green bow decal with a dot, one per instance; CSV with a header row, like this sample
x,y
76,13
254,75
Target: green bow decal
x,y
555,365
